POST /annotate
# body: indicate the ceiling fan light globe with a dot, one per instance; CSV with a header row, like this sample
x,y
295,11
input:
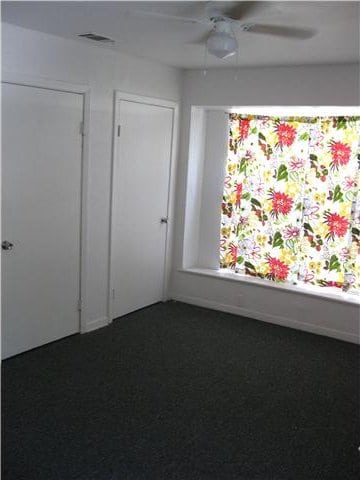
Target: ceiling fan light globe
x,y
221,44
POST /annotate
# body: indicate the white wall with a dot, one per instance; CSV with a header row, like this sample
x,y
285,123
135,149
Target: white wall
x,y
325,85
37,54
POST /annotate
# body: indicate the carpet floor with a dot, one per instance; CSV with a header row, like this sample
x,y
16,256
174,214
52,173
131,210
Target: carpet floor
x,y
180,392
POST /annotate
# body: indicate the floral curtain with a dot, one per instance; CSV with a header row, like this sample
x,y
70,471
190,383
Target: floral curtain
x,y
291,208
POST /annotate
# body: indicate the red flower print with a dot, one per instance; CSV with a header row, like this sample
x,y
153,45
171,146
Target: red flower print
x,y
337,224
238,191
244,127
340,153
233,253
333,284
286,134
278,269
281,203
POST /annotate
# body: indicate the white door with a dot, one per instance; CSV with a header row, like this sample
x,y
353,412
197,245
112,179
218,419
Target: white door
x,y
140,205
41,185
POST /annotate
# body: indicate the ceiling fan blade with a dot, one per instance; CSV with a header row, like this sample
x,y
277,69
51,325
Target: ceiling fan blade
x,y
244,10
166,16
280,31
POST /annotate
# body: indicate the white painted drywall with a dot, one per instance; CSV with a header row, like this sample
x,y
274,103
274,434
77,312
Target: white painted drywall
x,y
194,186
38,54
321,85
303,85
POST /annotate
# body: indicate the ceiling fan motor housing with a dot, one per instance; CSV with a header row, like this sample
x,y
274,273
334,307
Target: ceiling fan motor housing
x,y
221,41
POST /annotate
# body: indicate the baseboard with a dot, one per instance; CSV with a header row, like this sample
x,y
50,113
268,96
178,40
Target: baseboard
x,y
266,317
95,324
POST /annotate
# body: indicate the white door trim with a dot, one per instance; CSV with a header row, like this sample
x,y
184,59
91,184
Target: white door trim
x,y
118,96
57,85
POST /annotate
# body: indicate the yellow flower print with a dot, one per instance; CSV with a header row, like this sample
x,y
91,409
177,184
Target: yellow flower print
x,y
232,168
350,136
235,130
340,277
345,210
321,229
227,260
232,198
319,198
263,268
225,231
325,126
261,240
291,189
268,206
272,138
315,266
267,176
287,256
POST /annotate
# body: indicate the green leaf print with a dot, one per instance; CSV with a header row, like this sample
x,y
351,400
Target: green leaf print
x,y
278,241
334,263
282,173
304,136
255,202
338,196
249,265
243,165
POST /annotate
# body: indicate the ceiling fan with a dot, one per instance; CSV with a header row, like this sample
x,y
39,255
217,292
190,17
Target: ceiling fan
x,y
222,18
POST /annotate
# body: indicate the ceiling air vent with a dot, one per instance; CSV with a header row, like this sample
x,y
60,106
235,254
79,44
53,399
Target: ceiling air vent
x,y
96,38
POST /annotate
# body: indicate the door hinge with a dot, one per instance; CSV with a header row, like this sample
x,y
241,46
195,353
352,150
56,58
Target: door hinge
x,y
82,129
118,130
79,305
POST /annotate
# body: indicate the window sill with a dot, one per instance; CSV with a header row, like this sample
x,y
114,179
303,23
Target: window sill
x,y
314,291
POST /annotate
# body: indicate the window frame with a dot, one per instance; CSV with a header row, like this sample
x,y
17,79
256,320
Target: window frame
x,y
189,261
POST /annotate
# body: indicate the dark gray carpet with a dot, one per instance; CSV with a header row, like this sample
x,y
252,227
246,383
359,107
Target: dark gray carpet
x,y
180,392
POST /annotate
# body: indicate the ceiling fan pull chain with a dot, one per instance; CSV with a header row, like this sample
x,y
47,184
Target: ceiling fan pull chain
x,y
237,59
205,60
237,66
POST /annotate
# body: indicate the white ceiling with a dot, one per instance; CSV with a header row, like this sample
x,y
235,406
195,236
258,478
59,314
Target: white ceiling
x,y
172,42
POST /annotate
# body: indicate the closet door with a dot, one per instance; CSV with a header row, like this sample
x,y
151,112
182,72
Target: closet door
x,y
140,205
41,203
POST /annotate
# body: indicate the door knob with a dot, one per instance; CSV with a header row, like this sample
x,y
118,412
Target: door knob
x,y
5,245
164,220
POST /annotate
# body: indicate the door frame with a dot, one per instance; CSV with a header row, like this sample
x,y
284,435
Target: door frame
x,y
158,102
84,90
